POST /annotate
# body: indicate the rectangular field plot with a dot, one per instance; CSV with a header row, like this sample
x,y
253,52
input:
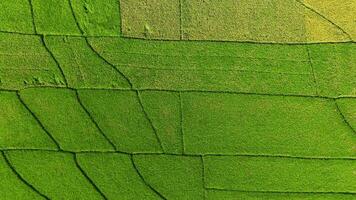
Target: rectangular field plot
x,y
153,19
210,66
238,195
24,62
243,20
269,125
233,20
54,17
15,16
279,174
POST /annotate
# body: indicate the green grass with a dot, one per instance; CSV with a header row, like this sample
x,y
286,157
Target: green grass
x,y
25,63
334,67
116,175
279,174
177,99
174,177
16,16
53,174
11,187
81,66
142,19
54,17
236,195
99,18
347,108
202,20
252,124
166,118
122,119
19,129
63,116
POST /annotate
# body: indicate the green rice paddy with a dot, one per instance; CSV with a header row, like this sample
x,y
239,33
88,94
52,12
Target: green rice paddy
x,y
177,99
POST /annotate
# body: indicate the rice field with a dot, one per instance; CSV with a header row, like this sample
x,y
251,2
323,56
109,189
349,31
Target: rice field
x,y
177,99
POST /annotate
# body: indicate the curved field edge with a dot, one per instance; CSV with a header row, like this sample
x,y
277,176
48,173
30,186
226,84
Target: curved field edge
x,y
108,175
310,70
134,121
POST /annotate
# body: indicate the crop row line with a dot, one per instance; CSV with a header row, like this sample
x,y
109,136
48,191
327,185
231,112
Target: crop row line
x,y
182,91
22,179
278,192
281,156
74,154
166,40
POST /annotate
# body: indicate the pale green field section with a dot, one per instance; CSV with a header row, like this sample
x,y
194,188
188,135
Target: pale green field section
x,y
260,21
339,12
151,19
25,62
244,20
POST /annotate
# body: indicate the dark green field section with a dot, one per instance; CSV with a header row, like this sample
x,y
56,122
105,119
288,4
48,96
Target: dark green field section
x,y
123,119
58,175
116,175
177,99
76,130
286,125
123,143
127,121
11,187
19,128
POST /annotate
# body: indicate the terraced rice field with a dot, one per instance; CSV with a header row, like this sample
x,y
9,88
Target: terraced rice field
x,y
177,99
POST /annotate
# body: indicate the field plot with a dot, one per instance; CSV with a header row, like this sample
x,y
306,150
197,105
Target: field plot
x,y
177,99
243,20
